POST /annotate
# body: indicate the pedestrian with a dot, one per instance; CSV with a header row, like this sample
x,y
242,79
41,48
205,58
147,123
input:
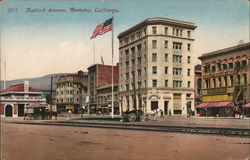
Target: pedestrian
x,y
155,114
69,114
169,112
161,112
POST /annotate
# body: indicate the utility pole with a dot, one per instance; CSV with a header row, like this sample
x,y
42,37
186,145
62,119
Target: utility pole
x,y
134,99
51,93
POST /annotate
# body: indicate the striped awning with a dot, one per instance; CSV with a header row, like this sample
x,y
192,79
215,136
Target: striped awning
x,y
215,104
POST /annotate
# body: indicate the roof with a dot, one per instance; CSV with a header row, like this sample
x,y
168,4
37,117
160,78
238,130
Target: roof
x,y
158,20
36,105
18,88
74,75
245,46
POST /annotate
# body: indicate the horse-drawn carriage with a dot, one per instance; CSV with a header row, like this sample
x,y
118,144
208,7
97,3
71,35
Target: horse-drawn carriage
x,y
38,111
138,115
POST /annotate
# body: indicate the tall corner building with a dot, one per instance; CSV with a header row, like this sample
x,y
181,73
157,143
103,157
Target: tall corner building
x,y
156,58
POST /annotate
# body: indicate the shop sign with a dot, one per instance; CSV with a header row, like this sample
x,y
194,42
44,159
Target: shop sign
x,y
217,98
219,74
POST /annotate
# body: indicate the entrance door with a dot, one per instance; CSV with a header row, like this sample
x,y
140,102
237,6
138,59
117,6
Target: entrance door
x,y
154,105
165,107
8,111
20,109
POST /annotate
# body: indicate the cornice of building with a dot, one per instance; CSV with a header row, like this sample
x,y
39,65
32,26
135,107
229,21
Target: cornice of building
x,y
158,20
241,47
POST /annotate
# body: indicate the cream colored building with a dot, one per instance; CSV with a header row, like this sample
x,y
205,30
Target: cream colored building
x,y
159,52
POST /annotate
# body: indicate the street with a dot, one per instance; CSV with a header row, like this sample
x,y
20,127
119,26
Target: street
x,y
39,142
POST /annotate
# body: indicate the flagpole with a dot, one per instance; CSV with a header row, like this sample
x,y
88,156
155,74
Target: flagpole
x,y
112,101
94,53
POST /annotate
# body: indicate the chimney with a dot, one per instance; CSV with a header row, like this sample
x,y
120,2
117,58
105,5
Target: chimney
x,y
26,86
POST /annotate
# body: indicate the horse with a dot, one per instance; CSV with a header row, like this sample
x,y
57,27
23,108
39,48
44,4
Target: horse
x,y
151,113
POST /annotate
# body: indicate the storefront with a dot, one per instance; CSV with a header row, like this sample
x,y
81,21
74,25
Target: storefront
x,y
222,109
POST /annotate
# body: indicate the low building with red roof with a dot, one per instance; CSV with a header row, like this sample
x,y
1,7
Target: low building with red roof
x,y
15,98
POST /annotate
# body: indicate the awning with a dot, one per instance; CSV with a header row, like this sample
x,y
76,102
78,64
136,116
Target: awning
x,y
244,58
230,61
213,64
247,105
237,60
215,104
224,62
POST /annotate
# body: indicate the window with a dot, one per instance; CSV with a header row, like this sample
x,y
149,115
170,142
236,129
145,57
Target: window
x,y
189,84
189,34
177,32
177,58
154,43
133,62
139,72
177,71
127,53
244,78
177,45
181,32
166,57
166,83
127,76
139,48
154,70
127,64
145,58
139,85
238,79
166,44
153,30
166,30
219,82
139,60
127,87
188,59
207,83
154,83
188,47
133,50
173,31
225,81
154,57
166,70
230,64
188,95
189,70
145,45
232,80
177,84
145,71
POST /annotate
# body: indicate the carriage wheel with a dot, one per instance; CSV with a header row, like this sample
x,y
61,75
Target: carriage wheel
x,y
39,117
132,117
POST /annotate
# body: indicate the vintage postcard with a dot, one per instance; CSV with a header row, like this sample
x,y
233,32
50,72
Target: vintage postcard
x,y
124,79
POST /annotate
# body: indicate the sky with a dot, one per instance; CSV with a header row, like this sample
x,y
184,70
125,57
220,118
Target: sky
x,y
34,44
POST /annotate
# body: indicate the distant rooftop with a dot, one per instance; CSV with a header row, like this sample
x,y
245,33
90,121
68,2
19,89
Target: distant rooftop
x,y
18,88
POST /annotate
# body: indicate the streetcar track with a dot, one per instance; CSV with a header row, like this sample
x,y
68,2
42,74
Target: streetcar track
x,y
233,132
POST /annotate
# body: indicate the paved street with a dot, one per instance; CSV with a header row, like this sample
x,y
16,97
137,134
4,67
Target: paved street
x,y
29,142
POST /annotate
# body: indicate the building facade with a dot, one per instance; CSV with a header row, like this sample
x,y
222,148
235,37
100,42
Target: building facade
x,y
15,99
99,76
71,91
197,84
226,80
104,99
156,66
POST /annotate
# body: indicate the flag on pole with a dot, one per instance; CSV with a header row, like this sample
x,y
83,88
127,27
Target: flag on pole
x,y
102,60
102,28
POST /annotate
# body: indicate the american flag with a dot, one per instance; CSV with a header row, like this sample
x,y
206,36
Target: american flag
x,y
102,28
